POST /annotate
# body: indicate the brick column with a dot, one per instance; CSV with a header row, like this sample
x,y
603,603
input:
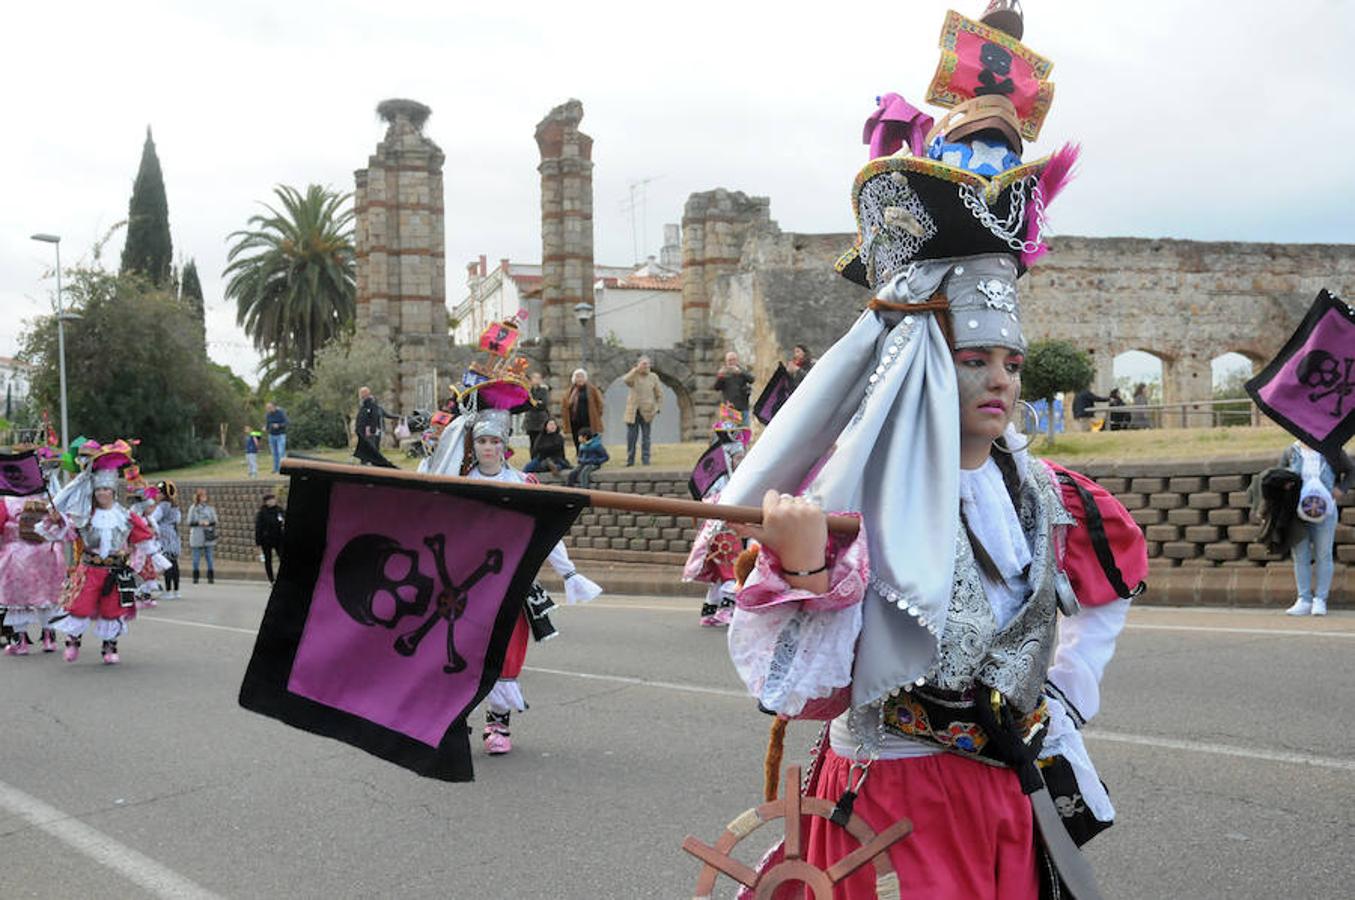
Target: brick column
x,y
398,231
566,227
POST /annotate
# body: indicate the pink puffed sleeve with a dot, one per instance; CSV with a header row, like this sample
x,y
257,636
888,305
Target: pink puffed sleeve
x,y
848,568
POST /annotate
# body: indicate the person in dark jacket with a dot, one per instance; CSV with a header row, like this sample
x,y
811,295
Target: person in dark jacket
x,y
368,425
1082,408
734,384
268,532
534,418
591,457
548,453
800,364
275,424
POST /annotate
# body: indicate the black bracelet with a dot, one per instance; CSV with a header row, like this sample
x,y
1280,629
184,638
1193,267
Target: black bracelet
x,y
822,568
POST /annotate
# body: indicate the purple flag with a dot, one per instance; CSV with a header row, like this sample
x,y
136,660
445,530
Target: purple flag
x,y
709,469
20,474
1309,387
393,610
774,395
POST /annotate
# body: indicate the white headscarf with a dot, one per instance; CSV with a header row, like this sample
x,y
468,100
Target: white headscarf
x,y
882,405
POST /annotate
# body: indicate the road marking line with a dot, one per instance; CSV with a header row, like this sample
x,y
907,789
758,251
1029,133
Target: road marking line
x,y
167,621
643,682
1281,756
135,867
1325,762
1226,629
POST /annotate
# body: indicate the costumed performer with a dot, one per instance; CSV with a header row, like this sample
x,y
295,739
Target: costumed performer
x,y
716,547
32,571
113,544
932,640
475,445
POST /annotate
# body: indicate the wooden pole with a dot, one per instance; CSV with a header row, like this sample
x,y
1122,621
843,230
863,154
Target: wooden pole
x,y
644,503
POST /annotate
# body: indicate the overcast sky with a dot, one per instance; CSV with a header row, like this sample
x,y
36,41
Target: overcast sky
x,y
1199,119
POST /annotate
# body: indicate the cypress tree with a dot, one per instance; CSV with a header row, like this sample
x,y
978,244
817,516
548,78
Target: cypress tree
x,y
148,249
190,294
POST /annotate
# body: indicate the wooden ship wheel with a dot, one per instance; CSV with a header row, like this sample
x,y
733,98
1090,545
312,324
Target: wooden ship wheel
x,y
792,867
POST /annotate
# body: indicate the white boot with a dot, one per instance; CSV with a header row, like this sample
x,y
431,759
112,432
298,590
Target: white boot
x,y
1319,606
1302,607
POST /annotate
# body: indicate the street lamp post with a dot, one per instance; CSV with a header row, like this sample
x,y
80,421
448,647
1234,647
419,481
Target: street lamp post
x,y
55,240
583,311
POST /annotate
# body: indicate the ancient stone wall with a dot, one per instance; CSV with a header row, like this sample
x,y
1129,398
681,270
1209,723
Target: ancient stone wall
x,y
1186,302
398,232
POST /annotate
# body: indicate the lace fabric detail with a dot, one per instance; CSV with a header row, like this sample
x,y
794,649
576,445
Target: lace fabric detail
x,y
1012,659
849,567
789,656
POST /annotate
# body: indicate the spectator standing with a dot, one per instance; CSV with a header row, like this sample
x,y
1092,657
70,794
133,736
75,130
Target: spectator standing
x,y
1082,408
548,453
202,523
535,418
268,525
275,425
591,457
1313,551
642,404
799,365
734,384
252,452
165,520
1139,417
1118,419
582,409
368,425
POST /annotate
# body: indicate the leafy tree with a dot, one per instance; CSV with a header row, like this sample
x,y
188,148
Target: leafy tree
x,y
1054,367
190,295
347,364
309,425
148,249
293,277
135,369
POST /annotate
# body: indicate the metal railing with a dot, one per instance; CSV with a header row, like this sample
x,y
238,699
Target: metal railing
x,y
1189,414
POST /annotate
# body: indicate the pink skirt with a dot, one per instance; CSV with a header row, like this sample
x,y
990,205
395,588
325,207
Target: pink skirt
x,y
973,834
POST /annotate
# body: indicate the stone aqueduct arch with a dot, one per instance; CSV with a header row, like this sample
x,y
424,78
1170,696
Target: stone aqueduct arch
x,y
751,287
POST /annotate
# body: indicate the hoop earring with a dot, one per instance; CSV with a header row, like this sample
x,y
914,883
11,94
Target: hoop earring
x,y
1000,443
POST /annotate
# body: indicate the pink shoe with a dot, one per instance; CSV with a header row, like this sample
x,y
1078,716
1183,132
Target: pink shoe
x,y
48,642
111,658
710,621
723,616
71,653
22,648
497,742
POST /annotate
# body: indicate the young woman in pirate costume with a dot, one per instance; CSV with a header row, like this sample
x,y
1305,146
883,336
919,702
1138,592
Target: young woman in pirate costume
x,y
32,571
475,445
113,545
929,641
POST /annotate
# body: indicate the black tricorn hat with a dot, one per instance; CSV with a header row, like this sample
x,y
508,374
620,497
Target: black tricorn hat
x,y
910,208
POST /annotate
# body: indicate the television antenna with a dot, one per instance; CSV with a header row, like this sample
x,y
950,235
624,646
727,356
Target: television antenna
x,y
638,201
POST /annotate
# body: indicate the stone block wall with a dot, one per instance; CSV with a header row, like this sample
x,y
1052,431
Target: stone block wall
x,y
236,504
1193,514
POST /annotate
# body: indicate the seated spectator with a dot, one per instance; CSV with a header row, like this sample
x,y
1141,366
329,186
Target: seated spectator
x,y
548,453
591,457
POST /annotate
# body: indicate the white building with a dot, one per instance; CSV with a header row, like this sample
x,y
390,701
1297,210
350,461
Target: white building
x,y
493,295
14,378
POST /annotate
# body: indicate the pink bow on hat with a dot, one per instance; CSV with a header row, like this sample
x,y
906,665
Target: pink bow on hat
x,y
895,121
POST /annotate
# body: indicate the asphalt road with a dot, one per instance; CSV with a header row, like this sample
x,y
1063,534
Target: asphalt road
x,y
1226,740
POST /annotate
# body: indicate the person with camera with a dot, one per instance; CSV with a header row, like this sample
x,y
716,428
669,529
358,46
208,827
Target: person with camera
x,y
734,384
202,522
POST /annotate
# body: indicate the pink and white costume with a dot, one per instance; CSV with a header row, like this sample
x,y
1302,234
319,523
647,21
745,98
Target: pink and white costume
x,y
31,576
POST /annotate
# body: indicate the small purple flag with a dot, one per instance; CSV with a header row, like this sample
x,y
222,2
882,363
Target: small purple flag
x,y
20,474
774,395
709,469
1309,387
392,613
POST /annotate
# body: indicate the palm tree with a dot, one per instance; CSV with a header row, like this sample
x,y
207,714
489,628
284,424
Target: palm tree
x,y
293,276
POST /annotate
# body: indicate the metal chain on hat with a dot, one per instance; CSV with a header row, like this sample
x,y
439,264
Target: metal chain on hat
x,y
1007,230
